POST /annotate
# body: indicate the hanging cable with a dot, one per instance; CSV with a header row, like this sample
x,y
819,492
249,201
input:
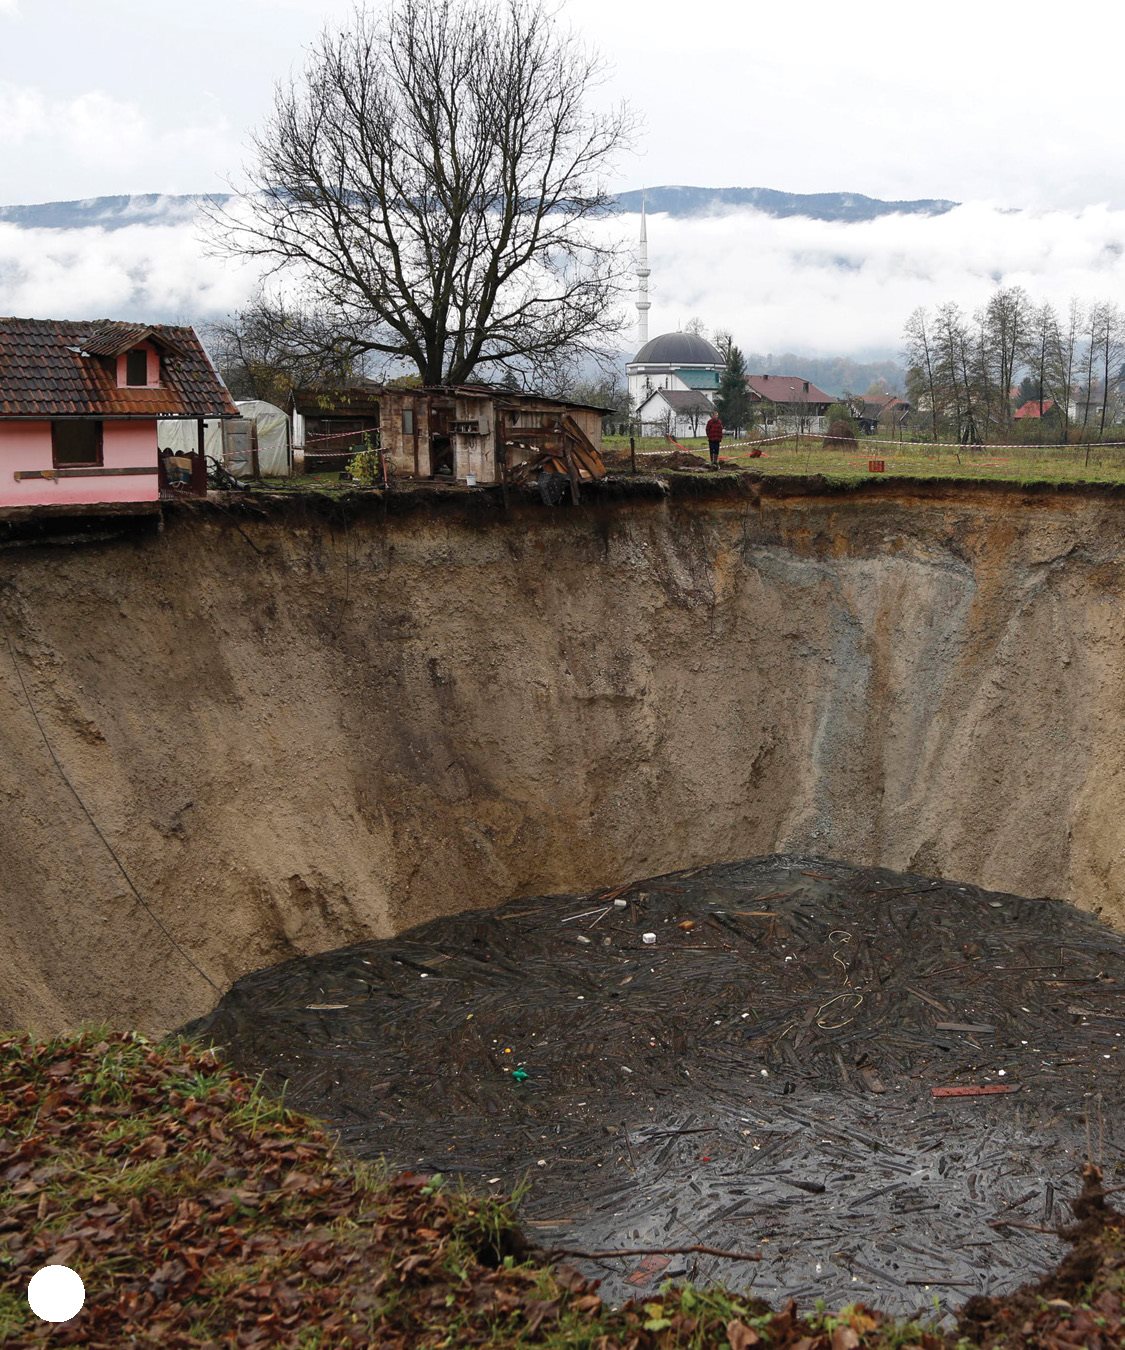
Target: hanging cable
x,y
109,847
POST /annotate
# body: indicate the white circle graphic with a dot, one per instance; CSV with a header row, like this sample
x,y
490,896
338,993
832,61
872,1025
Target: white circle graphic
x,y
56,1293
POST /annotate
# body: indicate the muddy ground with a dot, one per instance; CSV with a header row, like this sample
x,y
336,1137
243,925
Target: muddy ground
x,y
772,1074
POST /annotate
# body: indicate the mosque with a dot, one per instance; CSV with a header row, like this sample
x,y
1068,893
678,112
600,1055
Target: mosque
x,y
673,377
673,380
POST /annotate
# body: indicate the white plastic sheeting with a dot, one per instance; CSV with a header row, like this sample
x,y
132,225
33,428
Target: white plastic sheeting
x,y
181,436
271,425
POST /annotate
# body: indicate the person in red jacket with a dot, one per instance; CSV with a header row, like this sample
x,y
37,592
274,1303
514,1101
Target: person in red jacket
x,y
714,433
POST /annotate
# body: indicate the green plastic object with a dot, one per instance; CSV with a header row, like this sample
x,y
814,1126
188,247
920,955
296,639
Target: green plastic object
x,y
518,1075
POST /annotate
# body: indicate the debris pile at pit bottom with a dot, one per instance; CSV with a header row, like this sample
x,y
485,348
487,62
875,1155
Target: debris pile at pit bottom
x,y
771,1075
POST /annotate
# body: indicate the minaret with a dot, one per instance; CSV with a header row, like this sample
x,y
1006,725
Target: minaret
x,y
642,270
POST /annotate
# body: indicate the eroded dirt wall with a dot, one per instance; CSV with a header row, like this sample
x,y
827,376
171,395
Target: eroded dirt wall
x,y
298,732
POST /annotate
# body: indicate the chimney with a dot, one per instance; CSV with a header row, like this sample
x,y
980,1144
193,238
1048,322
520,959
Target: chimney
x,y
806,386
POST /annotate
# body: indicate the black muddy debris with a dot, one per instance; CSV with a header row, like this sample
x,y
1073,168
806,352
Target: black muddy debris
x,y
771,1074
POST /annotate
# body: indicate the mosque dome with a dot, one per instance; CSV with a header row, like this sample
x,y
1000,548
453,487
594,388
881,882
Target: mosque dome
x,y
678,349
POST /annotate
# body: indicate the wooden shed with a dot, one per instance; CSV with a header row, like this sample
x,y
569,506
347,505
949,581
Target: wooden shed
x,y
330,425
479,432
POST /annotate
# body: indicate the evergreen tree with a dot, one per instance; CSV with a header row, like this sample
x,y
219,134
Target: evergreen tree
x,y
733,397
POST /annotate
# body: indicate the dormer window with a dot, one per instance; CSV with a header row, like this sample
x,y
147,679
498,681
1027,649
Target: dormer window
x,y
136,367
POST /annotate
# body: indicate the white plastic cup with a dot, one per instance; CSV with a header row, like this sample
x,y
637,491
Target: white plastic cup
x,y
470,480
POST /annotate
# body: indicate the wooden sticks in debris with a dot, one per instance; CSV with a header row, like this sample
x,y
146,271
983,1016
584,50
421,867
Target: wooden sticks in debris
x,y
696,1249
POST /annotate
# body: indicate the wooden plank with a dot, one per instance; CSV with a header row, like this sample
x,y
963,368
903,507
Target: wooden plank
x,y
92,472
571,469
585,450
990,1090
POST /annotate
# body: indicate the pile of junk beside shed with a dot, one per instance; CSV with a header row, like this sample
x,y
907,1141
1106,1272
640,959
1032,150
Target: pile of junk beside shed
x,y
475,434
465,433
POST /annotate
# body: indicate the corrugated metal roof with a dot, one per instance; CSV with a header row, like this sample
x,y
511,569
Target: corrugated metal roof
x,y
364,399
502,393
357,400
59,368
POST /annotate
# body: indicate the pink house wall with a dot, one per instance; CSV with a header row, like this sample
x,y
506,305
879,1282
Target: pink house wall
x,y
27,445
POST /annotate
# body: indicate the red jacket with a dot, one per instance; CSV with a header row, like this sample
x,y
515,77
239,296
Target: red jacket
x,y
714,428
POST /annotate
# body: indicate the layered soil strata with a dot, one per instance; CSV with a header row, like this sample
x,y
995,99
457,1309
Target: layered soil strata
x,y
299,724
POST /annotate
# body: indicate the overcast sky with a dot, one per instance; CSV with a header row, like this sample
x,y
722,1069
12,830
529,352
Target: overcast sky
x,y
995,105
1013,103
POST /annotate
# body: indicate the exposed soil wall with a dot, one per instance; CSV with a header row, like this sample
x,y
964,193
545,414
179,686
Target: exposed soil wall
x,y
311,725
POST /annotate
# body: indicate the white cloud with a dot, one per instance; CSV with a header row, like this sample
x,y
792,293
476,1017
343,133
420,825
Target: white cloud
x,y
143,272
94,143
820,286
795,284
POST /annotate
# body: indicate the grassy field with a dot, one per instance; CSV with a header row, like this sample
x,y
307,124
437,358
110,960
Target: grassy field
x,y
1070,464
804,456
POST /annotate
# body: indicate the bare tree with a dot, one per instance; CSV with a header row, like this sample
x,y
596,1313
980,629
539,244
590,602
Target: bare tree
x,y
951,340
1106,336
1006,319
1066,363
1042,352
429,186
266,352
921,359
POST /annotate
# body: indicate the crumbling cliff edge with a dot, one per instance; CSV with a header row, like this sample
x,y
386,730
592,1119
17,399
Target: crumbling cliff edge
x,y
299,724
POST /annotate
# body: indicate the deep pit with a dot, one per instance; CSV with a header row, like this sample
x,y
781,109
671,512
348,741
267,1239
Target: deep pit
x,y
265,732
311,723
885,1084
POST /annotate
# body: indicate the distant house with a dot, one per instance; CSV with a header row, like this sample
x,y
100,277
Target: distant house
x,y
789,404
886,414
79,404
330,425
1034,409
479,431
674,412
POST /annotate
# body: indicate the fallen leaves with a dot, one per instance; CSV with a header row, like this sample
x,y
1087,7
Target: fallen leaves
x,y
199,1212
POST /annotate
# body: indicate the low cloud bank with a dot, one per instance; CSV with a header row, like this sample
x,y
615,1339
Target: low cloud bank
x,y
821,286
155,273
793,284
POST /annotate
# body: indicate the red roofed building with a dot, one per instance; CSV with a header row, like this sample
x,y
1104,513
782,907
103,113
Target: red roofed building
x,y
79,404
1033,408
790,403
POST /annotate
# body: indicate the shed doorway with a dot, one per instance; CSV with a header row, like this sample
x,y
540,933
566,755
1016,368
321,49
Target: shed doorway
x,y
441,439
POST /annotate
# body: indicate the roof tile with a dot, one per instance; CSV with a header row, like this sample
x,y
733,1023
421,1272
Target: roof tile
x,y
787,389
58,368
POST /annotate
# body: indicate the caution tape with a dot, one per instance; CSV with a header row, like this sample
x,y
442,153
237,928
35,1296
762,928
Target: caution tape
x,y
861,442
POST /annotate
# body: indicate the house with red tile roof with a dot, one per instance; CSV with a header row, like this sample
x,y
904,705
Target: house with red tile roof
x,y
79,403
788,403
1033,408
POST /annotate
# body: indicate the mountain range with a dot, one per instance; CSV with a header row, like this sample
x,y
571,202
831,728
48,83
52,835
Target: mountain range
x,y
113,213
